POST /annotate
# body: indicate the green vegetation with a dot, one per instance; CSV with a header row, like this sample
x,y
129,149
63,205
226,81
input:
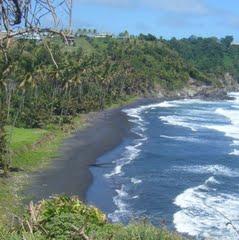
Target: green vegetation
x,y
212,56
68,218
60,218
44,90
25,156
31,149
96,73
85,79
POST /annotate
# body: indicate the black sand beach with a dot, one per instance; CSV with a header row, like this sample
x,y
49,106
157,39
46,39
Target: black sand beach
x,y
70,173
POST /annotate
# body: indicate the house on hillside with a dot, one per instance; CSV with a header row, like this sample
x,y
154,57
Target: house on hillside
x,y
103,35
235,43
31,36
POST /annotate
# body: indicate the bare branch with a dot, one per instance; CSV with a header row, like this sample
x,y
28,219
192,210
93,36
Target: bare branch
x,y
15,14
51,54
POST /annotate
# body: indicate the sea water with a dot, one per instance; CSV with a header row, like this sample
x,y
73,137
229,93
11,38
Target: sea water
x,y
179,167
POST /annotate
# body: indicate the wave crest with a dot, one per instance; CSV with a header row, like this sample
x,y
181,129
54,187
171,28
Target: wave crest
x,y
205,214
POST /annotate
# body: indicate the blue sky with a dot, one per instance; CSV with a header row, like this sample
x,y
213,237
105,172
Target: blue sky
x,y
167,18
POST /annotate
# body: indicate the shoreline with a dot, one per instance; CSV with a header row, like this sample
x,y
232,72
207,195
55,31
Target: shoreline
x,y
70,172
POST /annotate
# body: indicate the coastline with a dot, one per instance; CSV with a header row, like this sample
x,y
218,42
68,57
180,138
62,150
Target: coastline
x,y
70,172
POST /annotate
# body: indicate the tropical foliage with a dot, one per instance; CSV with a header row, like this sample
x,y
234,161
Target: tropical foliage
x,y
84,80
39,87
210,55
68,218
46,83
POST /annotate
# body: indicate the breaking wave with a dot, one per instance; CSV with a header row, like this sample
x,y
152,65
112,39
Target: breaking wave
x,y
136,181
216,170
122,208
179,121
205,213
204,210
182,138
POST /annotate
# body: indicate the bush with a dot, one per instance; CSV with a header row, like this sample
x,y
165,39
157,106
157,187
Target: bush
x,y
62,217
66,218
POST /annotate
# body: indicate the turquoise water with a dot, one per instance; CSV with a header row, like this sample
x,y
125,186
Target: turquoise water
x,y
179,167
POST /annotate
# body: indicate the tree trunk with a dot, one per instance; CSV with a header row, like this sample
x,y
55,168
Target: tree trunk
x,y
4,153
4,158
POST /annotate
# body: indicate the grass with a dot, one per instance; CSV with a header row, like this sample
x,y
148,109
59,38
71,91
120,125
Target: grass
x,y
35,153
22,157
21,137
31,150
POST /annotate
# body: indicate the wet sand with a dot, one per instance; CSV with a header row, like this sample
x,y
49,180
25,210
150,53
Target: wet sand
x,y
70,174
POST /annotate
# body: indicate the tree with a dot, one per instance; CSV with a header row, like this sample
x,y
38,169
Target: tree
x,y
4,156
227,41
148,37
94,31
23,18
124,34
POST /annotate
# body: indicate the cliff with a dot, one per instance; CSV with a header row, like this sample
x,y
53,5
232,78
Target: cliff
x,y
196,89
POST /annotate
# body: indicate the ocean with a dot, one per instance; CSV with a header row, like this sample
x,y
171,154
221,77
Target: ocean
x,y
179,167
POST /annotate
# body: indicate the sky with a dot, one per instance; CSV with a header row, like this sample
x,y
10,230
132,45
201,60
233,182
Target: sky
x,y
166,18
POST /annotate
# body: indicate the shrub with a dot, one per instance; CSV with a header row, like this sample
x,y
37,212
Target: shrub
x,y
66,218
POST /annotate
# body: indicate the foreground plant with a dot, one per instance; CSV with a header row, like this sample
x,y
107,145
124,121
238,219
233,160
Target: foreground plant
x,y
68,218
62,218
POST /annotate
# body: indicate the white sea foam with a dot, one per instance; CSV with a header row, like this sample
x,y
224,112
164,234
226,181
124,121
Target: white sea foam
x,y
181,138
119,201
190,101
117,171
178,121
205,213
235,152
162,105
212,180
216,170
134,112
235,143
229,130
131,152
121,192
232,115
136,181
234,95
199,118
232,129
